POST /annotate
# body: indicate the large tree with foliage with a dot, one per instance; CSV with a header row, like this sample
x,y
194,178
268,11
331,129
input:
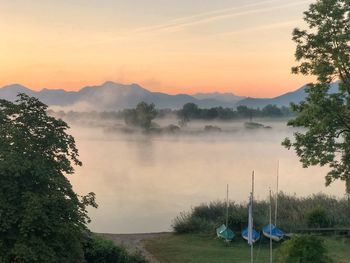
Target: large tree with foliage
x,y
189,110
141,116
41,218
323,50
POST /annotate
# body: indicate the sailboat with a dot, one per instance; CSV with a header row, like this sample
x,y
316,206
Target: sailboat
x,y
255,235
271,231
249,233
224,231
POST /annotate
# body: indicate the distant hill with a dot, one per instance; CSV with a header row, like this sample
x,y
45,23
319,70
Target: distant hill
x,y
225,97
282,100
115,96
109,96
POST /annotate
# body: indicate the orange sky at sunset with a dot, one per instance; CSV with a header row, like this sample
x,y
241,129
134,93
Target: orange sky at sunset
x,y
239,46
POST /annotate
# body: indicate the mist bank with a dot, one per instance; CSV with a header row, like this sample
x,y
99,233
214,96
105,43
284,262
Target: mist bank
x,y
145,118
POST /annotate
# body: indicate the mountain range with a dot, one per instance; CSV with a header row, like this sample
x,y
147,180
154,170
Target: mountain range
x,y
284,99
115,96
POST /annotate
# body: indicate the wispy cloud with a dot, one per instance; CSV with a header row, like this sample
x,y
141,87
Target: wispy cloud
x,y
278,25
208,17
200,16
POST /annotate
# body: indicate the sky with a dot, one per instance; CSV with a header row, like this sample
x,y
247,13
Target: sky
x,y
183,46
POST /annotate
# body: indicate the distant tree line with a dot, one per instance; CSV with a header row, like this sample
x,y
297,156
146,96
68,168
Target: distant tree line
x,y
192,111
143,114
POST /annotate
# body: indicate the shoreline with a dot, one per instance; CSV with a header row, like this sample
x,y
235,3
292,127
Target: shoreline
x,y
134,242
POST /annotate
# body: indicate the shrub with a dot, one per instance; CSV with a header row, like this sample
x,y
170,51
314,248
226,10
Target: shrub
x,y
317,217
303,249
186,223
100,250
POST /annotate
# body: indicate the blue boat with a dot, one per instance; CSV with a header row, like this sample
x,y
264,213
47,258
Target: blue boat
x,y
255,237
273,232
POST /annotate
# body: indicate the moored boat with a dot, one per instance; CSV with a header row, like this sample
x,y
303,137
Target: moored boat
x,y
225,233
273,232
255,235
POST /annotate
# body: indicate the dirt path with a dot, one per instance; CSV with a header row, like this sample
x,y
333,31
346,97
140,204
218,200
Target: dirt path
x,y
133,242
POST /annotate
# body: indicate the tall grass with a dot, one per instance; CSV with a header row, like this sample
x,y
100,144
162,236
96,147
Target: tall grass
x,y
293,214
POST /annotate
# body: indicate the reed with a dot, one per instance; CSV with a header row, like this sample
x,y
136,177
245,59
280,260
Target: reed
x,y
293,213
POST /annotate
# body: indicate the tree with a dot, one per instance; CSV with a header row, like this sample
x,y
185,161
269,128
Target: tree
x,y
245,112
41,218
324,51
141,116
145,114
271,111
189,111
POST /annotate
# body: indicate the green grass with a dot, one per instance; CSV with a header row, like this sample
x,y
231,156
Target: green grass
x,y
207,249
339,248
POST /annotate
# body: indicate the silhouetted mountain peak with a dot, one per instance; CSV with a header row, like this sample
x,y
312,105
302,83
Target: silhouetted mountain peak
x,y
16,87
115,96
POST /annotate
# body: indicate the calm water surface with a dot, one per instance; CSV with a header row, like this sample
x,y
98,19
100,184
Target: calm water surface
x,y
143,182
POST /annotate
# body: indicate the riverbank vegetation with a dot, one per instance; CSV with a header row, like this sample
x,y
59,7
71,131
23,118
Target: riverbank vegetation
x,y
294,213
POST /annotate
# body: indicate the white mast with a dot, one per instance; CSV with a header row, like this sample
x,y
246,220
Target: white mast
x,y
252,188
270,229
250,228
276,204
252,222
227,207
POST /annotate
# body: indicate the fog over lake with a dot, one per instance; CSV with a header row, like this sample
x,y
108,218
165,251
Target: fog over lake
x,y
143,181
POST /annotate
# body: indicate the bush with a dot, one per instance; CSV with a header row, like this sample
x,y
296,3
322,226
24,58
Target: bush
x,y
303,249
317,217
100,250
186,223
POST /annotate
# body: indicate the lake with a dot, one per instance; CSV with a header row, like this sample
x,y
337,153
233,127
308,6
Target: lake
x,y
142,182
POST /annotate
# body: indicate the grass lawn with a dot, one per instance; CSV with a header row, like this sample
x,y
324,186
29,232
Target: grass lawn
x,y
208,249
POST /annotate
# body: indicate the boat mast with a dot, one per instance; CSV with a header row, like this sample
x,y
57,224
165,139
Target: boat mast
x,y
252,234
270,229
252,189
276,205
227,207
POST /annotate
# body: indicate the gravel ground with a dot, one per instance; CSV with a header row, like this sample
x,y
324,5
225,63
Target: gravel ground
x,y
133,242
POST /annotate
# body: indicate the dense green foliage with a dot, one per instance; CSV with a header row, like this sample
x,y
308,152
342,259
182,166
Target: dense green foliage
x,y
191,111
317,217
293,213
304,249
324,51
41,217
100,250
